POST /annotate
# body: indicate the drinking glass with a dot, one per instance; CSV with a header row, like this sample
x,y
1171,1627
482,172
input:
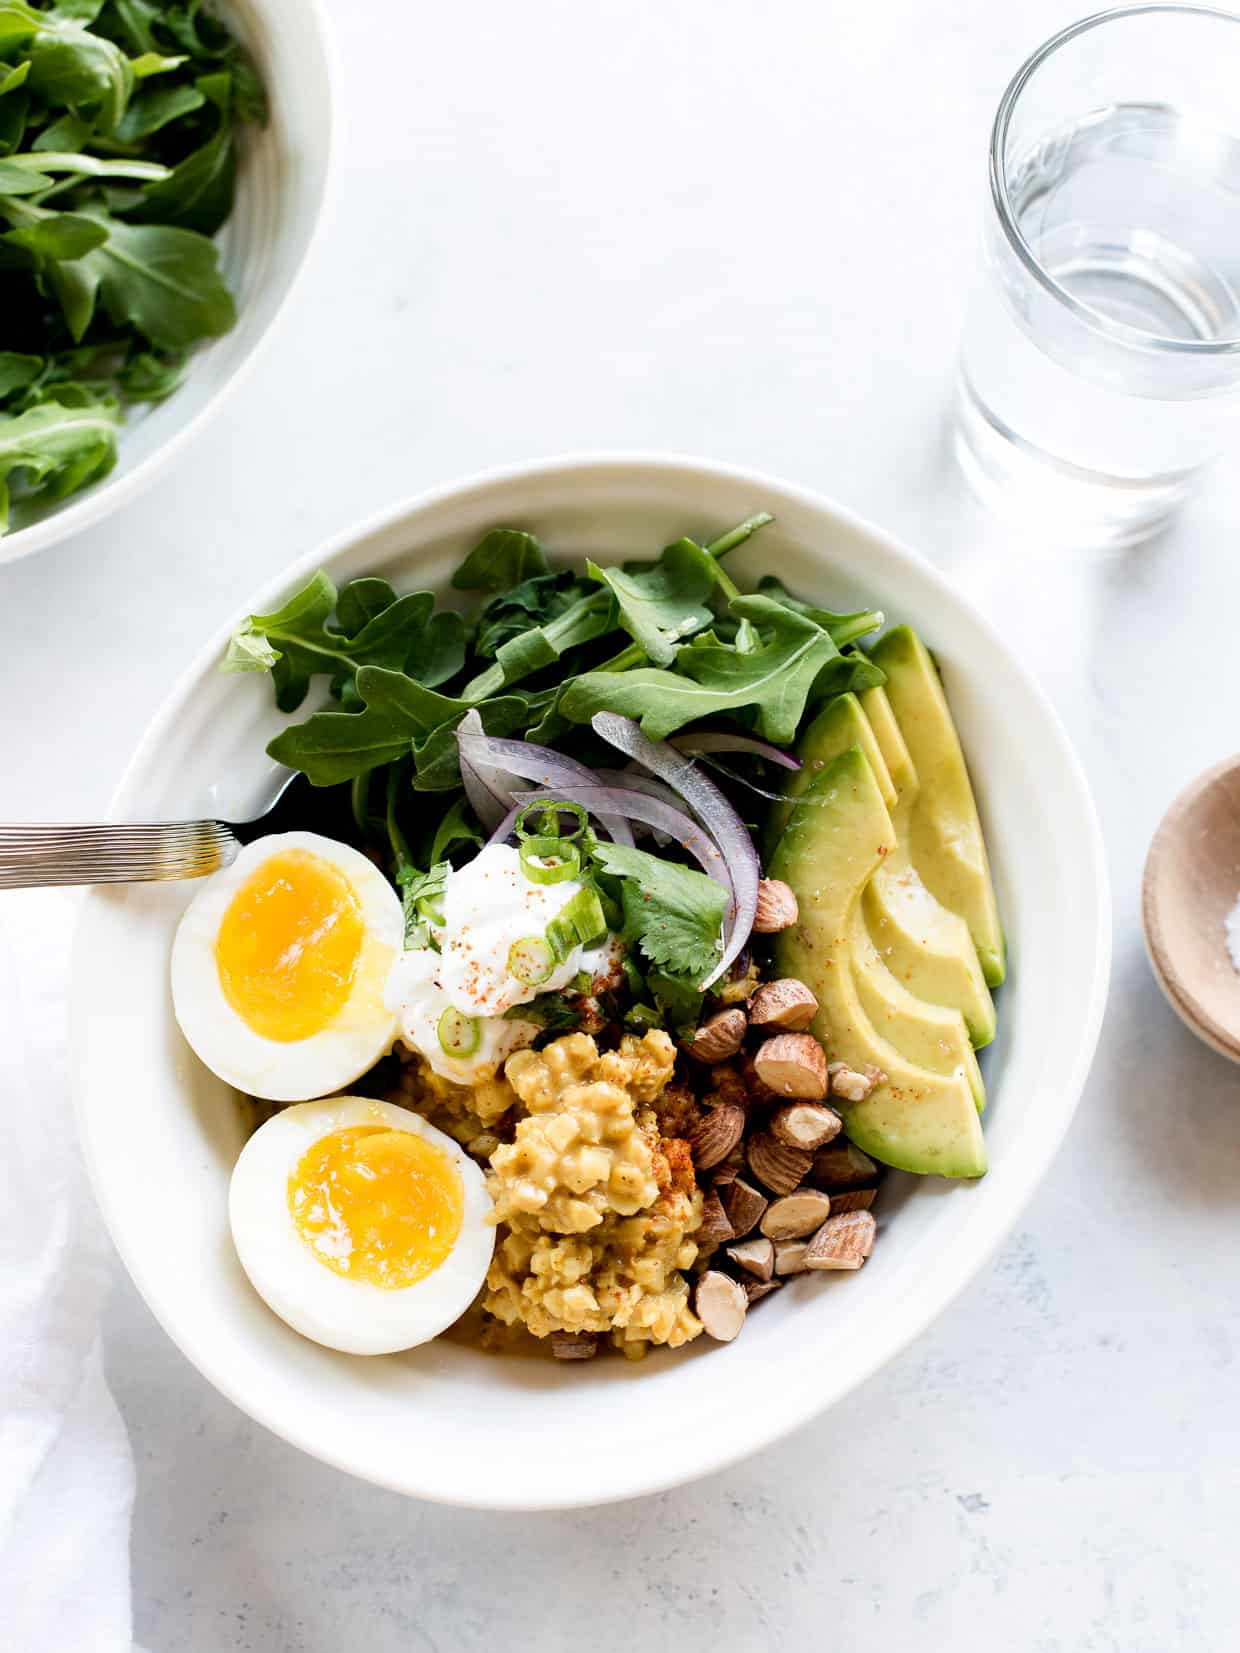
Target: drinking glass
x,y
1100,363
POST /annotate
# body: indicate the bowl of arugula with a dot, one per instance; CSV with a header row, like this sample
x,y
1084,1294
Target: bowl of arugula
x,y
529,617
162,170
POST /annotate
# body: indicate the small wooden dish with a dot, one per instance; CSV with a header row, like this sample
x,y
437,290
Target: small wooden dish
x,y
1192,879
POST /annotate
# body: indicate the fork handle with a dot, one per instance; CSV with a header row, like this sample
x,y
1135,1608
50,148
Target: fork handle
x,y
35,854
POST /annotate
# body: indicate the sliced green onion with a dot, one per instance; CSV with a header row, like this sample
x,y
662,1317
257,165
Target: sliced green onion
x,y
582,982
549,860
549,827
531,960
459,1035
579,923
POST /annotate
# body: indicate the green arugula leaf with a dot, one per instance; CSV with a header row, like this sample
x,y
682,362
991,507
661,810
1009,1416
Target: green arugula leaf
x,y
20,180
337,746
361,601
501,559
69,64
532,602
775,678
199,194
152,111
530,651
78,11
663,602
14,113
136,21
844,628
95,96
457,828
436,758
67,134
56,448
673,914
250,648
151,375
164,281
17,371
152,63
400,633
59,235
15,77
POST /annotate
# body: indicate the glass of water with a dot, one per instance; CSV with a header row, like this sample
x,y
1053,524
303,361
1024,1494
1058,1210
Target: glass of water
x,y
1101,353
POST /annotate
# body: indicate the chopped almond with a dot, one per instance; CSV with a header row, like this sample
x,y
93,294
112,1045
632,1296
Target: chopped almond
x,y
793,1065
786,1003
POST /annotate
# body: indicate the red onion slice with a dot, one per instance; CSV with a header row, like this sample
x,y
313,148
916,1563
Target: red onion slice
x,y
488,795
496,763
711,808
637,780
715,741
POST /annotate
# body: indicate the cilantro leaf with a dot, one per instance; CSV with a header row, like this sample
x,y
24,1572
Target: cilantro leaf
x,y
673,914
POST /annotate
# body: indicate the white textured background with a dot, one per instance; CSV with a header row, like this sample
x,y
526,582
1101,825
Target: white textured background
x,y
744,231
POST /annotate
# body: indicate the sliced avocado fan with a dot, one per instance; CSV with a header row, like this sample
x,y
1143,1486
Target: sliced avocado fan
x,y
927,949
838,834
945,839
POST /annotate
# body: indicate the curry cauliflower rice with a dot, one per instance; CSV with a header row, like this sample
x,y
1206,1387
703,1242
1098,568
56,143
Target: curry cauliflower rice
x,y
596,1210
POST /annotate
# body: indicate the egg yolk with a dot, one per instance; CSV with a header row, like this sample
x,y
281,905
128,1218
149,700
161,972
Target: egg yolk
x,y
288,947
377,1205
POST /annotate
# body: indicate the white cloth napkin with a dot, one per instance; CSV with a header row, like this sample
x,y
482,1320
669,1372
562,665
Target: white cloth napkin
x,y
66,1471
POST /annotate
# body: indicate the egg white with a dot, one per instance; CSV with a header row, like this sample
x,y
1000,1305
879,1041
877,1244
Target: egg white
x,y
351,1315
325,1061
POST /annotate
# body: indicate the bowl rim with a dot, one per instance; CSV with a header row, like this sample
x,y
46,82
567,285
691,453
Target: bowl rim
x,y
771,1423
112,493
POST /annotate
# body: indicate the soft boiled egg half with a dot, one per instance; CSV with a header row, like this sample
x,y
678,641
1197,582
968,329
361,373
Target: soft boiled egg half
x,y
279,965
361,1225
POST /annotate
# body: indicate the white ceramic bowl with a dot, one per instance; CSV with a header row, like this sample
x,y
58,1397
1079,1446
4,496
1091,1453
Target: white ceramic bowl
x,y
161,1134
281,185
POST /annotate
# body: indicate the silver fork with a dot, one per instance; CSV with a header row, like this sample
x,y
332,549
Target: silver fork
x,y
120,853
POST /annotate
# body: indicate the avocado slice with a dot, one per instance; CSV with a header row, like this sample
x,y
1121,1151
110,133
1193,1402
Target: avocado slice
x,y
837,836
882,721
927,948
930,1034
945,835
924,946
840,724
928,1028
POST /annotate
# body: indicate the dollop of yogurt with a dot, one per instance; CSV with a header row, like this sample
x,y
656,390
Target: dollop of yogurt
x,y
488,904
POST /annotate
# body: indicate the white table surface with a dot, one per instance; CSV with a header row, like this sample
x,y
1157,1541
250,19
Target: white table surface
x,y
742,231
